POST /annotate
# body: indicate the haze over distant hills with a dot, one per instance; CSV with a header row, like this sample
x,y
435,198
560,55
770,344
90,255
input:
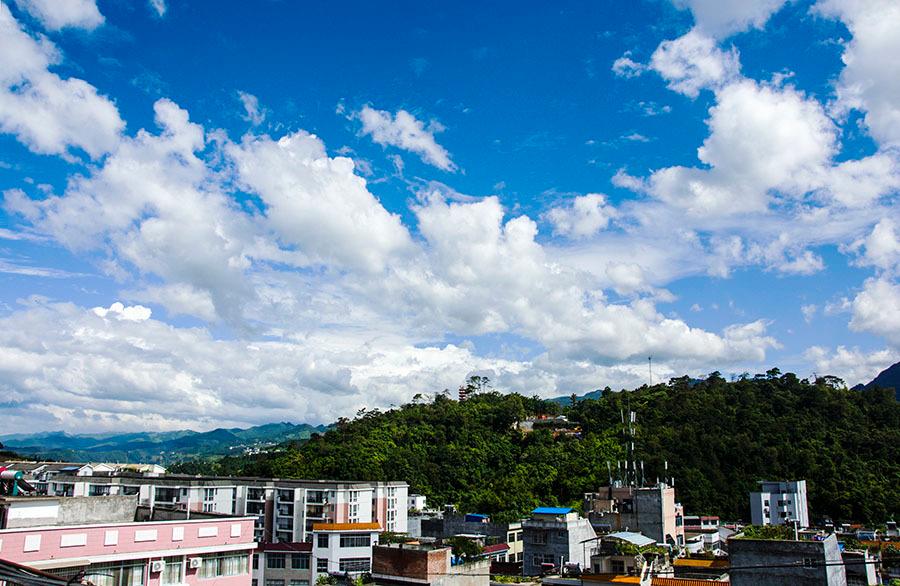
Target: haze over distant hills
x,y
163,447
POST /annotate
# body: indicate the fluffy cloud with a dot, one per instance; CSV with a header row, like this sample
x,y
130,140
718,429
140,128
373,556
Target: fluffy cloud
x,y
587,215
876,309
404,131
693,62
762,138
721,18
851,364
120,312
47,113
869,81
626,67
318,203
881,248
60,362
59,14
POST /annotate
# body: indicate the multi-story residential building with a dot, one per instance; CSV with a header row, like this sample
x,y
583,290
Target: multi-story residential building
x,y
556,537
779,503
284,510
111,541
651,510
490,533
343,548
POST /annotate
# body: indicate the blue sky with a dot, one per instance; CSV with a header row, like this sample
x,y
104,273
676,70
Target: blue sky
x,y
221,215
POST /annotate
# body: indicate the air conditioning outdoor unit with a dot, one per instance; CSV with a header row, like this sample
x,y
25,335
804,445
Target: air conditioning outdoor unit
x,y
195,563
157,566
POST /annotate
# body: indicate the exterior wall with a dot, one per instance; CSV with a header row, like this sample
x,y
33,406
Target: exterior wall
x,y
792,495
556,539
35,512
50,547
289,575
333,553
756,562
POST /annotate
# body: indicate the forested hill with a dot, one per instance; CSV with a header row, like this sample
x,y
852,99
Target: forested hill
x,y
719,438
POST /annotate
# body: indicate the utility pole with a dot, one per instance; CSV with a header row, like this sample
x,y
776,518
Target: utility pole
x,y
650,366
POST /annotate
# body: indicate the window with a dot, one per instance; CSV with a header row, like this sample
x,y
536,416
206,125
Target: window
x,y
275,560
270,582
254,582
520,556
355,564
354,496
355,540
353,512
539,538
286,495
130,573
98,490
543,558
209,494
322,540
766,503
300,561
173,573
617,566
256,494
322,565
510,537
169,495
130,490
223,565
299,583
256,561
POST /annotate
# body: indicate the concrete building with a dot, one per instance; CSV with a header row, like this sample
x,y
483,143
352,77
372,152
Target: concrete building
x,y
283,564
285,510
343,548
770,562
416,502
556,537
111,541
481,527
779,503
651,510
421,565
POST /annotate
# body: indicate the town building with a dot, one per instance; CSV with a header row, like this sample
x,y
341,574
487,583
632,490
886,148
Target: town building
x,y
425,565
556,537
651,510
478,526
283,564
343,548
284,510
112,541
779,503
777,562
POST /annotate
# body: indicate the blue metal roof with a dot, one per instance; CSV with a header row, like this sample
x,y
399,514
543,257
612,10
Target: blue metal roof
x,y
552,510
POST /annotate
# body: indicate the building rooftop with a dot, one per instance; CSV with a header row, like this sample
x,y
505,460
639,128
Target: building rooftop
x,y
631,537
301,546
552,511
346,527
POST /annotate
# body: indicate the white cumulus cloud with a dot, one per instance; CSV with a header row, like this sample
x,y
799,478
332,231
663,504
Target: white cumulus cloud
x,y
405,131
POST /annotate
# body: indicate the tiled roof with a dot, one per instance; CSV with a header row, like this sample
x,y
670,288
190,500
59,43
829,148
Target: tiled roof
x,y
346,526
496,548
700,563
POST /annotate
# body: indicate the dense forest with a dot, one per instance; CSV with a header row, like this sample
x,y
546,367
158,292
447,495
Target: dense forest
x,y
718,437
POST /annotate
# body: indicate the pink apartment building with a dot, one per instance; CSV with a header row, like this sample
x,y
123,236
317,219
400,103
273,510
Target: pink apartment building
x,y
115,542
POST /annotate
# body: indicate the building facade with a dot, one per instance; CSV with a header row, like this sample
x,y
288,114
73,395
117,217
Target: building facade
x,y
102,540
556,537
760,562
779,503
651,510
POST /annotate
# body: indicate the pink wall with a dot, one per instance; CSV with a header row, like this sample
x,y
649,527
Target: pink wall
x,y
53,539
342,513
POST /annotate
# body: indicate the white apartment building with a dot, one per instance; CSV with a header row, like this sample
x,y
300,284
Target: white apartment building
x,y
284,510
779,503
343,548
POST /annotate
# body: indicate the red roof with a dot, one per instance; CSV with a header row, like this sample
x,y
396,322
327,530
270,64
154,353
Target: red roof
x,y
496,548
288,547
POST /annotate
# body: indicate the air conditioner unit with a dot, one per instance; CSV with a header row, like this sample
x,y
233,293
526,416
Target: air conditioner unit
x,y
195,563
157,566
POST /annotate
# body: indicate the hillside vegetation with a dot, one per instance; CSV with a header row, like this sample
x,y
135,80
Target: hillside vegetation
x,y
719,438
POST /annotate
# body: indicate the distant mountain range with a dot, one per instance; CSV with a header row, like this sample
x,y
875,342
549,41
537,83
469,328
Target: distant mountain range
x,y
156,447
888,378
